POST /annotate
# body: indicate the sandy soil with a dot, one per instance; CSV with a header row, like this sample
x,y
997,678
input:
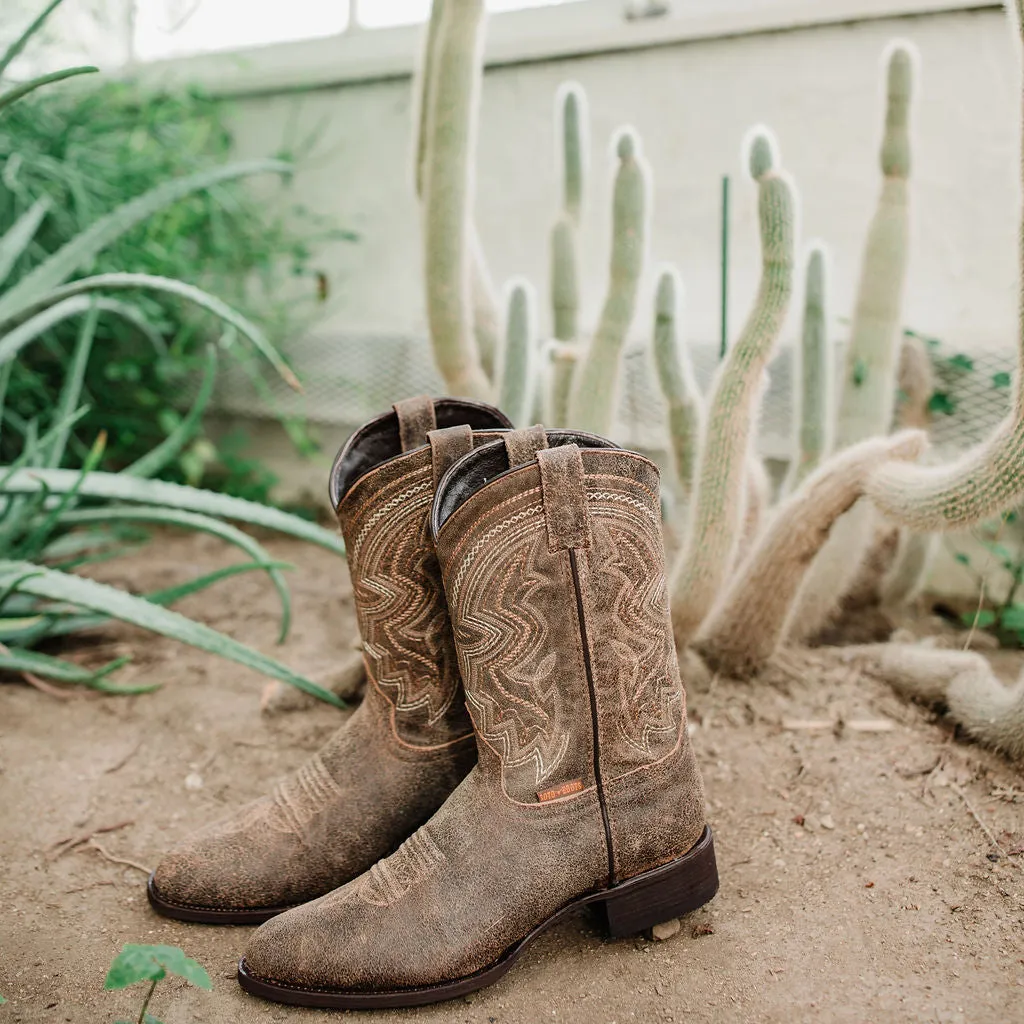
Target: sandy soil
x,y
857,885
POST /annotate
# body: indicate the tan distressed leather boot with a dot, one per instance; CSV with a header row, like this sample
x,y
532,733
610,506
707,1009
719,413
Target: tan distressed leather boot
x,y
410,742
586,789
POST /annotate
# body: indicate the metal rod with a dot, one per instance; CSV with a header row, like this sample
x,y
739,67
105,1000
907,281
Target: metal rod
x,y
723,340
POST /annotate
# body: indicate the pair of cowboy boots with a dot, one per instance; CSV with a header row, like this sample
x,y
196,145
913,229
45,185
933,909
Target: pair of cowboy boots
x,y
521,749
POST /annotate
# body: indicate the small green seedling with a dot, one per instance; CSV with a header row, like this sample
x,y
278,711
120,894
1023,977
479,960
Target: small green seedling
x,y
152,963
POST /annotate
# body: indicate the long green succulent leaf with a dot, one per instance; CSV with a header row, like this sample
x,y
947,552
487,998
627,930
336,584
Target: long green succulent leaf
x,y
17,237
83,248
71,390
190,521
168,449
19,44
16,339
36,539
170,286
86,593
17,660
9,97
118,487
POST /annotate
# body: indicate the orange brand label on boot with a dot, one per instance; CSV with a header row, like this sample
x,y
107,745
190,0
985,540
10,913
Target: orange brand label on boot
x,y
565,789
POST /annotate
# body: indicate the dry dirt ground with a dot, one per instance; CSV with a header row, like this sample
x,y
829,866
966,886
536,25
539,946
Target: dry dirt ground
x,y
865,876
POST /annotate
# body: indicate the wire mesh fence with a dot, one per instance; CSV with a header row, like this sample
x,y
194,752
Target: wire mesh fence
x,y
350,378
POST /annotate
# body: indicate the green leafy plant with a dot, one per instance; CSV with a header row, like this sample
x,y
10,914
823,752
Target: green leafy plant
x,y
137,963
1002,617
79,153
44,507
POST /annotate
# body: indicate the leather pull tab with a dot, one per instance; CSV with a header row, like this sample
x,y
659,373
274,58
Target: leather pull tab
x,y
415,420
523,445
565,497
447,446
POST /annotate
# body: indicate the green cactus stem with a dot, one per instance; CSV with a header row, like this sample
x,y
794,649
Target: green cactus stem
x,y
452,98
869,385
565,357
676,379
813,376
571,117
596,383
982,483
746,626
716,520
514,391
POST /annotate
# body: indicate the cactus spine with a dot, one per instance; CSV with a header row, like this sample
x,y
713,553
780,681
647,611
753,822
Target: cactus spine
x,y
452,98
675,376
514,392
813,373
595,386
716,518
868,393
745,627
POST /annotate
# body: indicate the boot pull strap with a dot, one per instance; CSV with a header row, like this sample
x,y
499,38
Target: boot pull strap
x,y
415,420
523,445
565,497
447,446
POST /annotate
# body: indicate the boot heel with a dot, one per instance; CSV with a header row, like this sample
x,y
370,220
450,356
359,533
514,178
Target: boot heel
x,y
669,891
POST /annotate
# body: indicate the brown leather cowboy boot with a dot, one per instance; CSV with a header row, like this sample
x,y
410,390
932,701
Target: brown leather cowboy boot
x,y
396,759
586,789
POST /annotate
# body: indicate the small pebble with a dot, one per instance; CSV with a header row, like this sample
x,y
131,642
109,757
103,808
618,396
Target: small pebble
x,y
193,781
827,822
665,930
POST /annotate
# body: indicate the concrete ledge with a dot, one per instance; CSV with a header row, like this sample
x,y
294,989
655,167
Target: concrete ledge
x,y
517,37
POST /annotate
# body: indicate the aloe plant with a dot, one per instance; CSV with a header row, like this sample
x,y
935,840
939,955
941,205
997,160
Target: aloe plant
x,y
52,519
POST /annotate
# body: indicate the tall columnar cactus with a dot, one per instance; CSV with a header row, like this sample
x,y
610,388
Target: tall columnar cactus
x,y
916,380
451,96
868,391
746,625
571,118
757,498
716,518
869,385
514,393
675,376
812,378
982,483
595,384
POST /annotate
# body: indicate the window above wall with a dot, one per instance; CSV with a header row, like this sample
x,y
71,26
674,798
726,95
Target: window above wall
x,y
178,28
238,47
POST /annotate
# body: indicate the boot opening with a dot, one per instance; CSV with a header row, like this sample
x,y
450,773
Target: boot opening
x,y
379,440
487,463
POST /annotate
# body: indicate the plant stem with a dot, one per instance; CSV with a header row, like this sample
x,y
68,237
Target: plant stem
x,y
145,1002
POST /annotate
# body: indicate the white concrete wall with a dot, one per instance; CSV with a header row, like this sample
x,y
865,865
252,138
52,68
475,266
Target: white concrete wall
x,y
817,87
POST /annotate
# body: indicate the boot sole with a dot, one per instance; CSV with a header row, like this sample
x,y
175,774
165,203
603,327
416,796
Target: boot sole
x,y
670,891
210,915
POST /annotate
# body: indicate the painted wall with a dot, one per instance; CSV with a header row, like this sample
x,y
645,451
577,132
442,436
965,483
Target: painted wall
x,y
818,88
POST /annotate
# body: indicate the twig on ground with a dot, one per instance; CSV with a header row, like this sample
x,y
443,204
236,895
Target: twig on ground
x,y
121,762
94,844
88,885
59,848
974,814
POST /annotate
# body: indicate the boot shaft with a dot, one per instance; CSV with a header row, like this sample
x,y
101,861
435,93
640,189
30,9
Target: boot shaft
x,y
381,486
555,577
